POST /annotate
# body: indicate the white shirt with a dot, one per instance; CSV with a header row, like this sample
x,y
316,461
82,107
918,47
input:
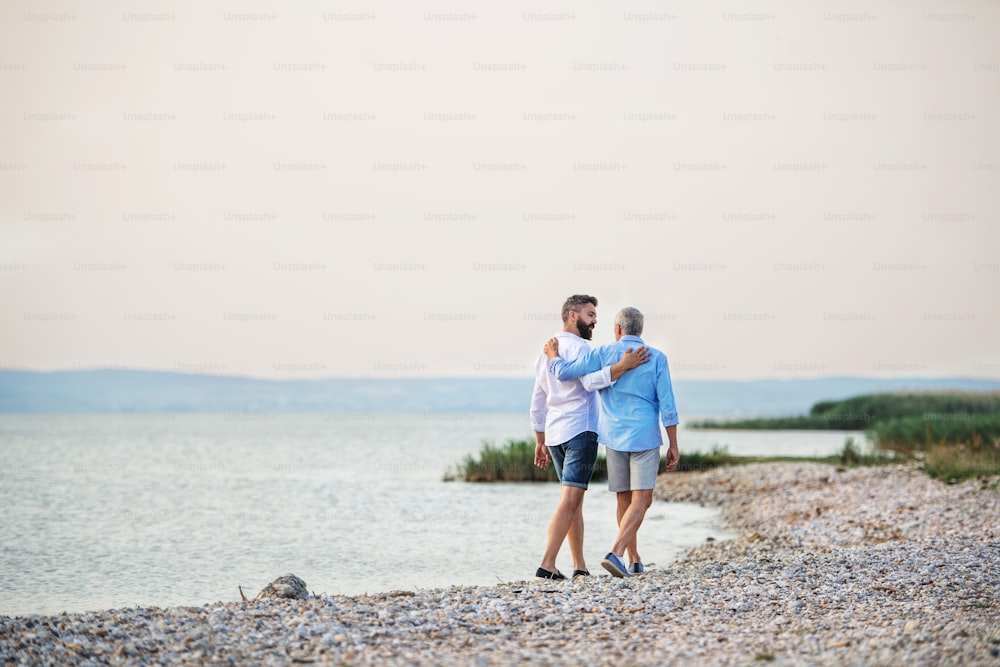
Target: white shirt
x,y
563,409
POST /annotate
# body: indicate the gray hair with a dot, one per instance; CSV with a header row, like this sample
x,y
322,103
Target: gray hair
x,y
630,320
575,303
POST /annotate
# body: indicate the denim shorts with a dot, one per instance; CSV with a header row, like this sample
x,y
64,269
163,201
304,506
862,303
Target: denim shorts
x,y
574,459
632,471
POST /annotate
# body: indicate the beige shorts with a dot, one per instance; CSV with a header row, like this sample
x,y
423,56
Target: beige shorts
x,y
632,471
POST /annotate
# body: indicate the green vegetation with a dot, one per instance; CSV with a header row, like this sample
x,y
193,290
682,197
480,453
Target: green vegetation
x,y
795,423
956,463
852,456
863,412
514,462
954,436
922,433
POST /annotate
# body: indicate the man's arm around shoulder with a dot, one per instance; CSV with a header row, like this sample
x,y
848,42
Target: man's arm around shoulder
x,y
593,361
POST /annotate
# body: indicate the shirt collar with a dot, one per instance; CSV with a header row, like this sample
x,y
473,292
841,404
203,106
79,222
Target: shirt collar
x,y
630,337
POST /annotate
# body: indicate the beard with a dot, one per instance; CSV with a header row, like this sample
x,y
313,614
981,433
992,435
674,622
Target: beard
x,y
586,330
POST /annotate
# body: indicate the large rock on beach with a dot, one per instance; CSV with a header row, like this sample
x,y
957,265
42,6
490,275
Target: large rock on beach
x,y
287,586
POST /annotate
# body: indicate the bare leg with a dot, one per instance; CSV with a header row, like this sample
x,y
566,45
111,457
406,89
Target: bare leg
x,y
631,520
624,500
576,540
569,509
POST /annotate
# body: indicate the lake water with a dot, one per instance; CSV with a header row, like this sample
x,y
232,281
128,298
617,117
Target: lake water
x,y
107,511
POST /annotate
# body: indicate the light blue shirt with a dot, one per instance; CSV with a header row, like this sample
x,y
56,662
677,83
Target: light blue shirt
x,y
634,406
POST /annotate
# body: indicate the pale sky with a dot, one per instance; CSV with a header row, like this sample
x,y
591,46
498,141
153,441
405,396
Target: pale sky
x,y
324,189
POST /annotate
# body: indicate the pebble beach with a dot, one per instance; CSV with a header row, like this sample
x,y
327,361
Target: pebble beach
x,y
865,566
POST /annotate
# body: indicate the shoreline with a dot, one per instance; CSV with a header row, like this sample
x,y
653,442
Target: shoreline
x,y
865,566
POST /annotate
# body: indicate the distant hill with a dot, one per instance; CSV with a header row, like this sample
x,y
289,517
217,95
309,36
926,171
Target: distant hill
x,y
156,391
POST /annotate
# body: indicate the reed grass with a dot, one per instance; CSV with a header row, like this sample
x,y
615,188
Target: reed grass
x,y
514,462
953,436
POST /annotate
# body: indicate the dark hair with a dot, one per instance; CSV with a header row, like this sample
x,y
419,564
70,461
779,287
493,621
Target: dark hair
x,y
576,302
